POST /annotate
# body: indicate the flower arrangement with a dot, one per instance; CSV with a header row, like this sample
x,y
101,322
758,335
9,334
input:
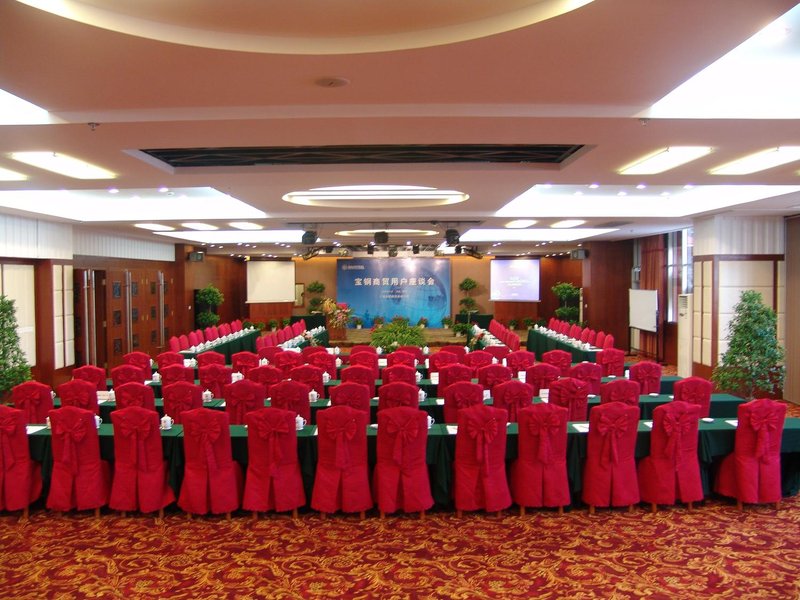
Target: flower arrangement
x,y
475,342
378,321
423,322
338,313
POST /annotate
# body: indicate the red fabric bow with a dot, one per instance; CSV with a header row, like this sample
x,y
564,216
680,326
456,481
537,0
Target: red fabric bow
x,y
139,431
764,424
676,426
403,433
71,435
206,434
611,429
462,401
341,434
271,432
544,429
8,428
483,434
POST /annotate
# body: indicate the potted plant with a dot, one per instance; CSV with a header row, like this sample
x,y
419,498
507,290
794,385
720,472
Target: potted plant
x,y
316,289
400,319
512,324
14,369
528,323
273,324
447,322
423,322
207,301
395,334
285,321
468,303
378,321
461,328
753,361
358,322
568,296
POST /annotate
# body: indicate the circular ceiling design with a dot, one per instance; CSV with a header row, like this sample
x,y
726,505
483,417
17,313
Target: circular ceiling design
x,y
375,196
310,26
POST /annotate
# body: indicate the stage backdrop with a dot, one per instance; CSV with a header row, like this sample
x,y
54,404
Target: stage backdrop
x,y
388,287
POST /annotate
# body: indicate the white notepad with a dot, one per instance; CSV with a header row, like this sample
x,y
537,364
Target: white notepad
x,y
452,429
29,429
581,427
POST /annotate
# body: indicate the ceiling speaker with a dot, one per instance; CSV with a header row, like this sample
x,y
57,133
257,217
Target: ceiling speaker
x,y
370,249
393,251
415,248
452,237
381,237
309,237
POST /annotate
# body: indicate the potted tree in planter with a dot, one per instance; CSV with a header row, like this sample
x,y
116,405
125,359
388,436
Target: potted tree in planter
x,y
512,324
447,322
207,300
14,369
528,322
273,324
461,328
568,296
316,289
753,360
468,303
423,322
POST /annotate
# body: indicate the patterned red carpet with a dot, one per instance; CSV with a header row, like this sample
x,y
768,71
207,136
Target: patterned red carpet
x,y
714,551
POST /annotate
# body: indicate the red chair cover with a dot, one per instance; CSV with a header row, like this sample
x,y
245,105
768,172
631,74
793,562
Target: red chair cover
x,y
79,478
612,361
592,337
648,374
591,373
138,359
520,360
20,477
297,328
398,357
479,468
286,361
575,332
273,479
539,475
175,373
541,375
311,376
609,477
461,395
391,395
585,335
266,375
135,394
600,339
243,397
308,351
360,374
342,480
194,340
459,351
174,344
293,396
80,393
166,359
214,378
183,342
477,359
140,471
620,390
498,352
752,473
415,351
608,342
440,359
399,372
352,394
180,397
695,390
356,348
513,396
491,375
127,374
241,362
280,336
400,479
96,375
672,471
573,394
211,334
560,359
212,480
269,352
210,357
366,359
326,362
34,399
450,374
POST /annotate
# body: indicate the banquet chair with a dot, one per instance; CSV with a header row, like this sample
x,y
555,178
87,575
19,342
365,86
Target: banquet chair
x,y
620,390
273,480
585,332
174,344
194,340
592,337
79,479
491,375
399,357
356,348
360,374
450,374
398,393
269,352
695,390
440,359
140,471
308,351
672,471
573,394
575,332
479,468
400,478
415,351
138,359
613,362
97,375
461,395
266,375
560,359
211,334
399,372
20,477
212,480
366,359
242,397
520,360
280,336
134,393
498,352
210,357
608,342
752,472
169,358
477,359
126,374
214,377
459,351
342,479
80,393
183,341
33,398
180,397
286,360
648,374
591,373
326,362
175,373
352,394
293,396
298,327
541,375
600,339
242,362
512,395
311,376
539,475
609,477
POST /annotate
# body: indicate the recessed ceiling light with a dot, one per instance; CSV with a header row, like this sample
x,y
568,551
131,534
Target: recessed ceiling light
x,y
264,236
113,191
567,223
200,226
372,232
62,164
529,235
163,189
760,161
594,186
520,223
9,175
245,225
641,186
375,196
154,227
665,159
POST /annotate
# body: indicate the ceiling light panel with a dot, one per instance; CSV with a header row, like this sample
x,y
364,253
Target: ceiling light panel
x,y
265,236
530,235
199,226
665,159
375,196
371,232
246,226
63,164
567,223
760,161
16,111
520,223
154,227
9,175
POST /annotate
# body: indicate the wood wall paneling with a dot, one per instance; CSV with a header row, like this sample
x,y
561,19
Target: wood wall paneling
x,y
606,281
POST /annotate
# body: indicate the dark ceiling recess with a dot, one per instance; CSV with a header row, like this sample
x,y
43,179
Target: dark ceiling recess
x,y
549,154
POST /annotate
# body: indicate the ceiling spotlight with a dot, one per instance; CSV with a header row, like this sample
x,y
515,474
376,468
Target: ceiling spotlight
x,y
310,253
370,249
452,237
392,251
415,248
309,237
381,237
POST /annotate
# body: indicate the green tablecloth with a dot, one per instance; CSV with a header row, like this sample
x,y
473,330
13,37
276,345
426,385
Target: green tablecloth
x,y
245,342
540,343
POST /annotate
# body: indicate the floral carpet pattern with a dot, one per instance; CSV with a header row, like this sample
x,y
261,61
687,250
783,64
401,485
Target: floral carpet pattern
x,y
714,551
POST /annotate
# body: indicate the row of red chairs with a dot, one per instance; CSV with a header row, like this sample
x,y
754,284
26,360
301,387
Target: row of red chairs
x,y
504,334
199,336
281,335
598,339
